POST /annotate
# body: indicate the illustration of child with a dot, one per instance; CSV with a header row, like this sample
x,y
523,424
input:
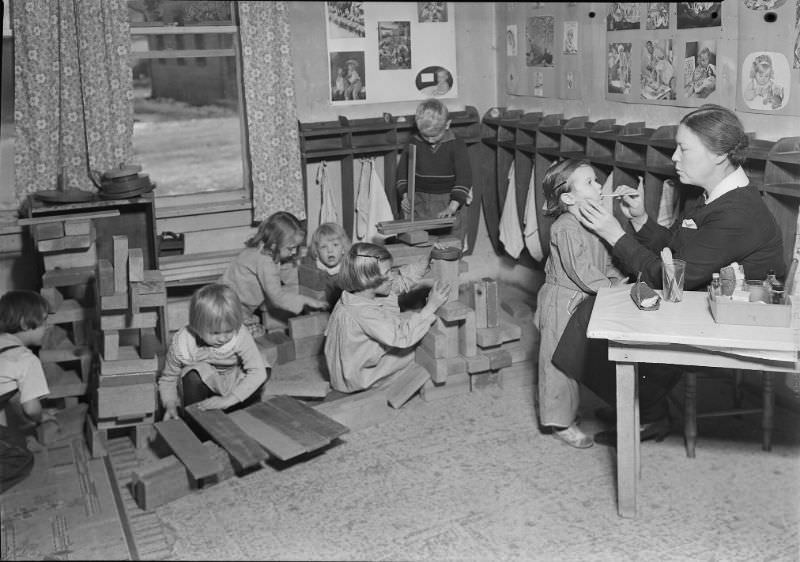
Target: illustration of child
x,y
340,84
368,339
255,274
579,263
762,86
353,79
214,357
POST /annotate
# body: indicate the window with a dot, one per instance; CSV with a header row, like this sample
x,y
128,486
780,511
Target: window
x,y
7,130
188,131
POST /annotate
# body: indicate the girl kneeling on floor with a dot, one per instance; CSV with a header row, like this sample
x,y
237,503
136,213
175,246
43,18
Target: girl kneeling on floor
x,y
368,338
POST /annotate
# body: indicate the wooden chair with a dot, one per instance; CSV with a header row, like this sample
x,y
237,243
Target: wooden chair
x,y
767,409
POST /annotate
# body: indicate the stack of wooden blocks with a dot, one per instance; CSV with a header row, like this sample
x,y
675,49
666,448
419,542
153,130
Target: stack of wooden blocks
x,y
67,246
131,335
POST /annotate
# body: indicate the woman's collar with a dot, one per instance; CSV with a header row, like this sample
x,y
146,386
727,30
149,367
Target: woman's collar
x,y
732,181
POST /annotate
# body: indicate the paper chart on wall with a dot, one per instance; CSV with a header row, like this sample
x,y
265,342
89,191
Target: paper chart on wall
x,y
390,51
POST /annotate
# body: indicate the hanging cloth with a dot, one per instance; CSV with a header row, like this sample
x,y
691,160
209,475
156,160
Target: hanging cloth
x,y
531,233
668,206
327,207
372,206
510,231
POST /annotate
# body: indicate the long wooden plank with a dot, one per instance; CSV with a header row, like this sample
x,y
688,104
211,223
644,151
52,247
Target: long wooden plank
x,y
278,444
244,449
70,217
309,417
188,448
287,425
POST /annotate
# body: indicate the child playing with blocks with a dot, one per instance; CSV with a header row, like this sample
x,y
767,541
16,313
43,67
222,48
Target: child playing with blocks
x,y
328,245
367,338
578,265
214,358
23,316
255,274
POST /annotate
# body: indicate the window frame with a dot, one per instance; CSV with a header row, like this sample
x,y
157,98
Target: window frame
x,y
213,201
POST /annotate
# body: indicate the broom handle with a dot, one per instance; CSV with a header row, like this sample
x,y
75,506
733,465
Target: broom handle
x,y
412,175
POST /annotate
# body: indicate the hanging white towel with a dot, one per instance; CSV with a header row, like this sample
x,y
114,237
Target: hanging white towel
x,y
372,206
668,206
327,208
510,232
531,233
608,187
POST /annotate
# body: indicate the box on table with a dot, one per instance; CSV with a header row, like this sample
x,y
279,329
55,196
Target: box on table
x,y
727,311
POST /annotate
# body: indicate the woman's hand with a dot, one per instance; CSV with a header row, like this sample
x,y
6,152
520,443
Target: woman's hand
x,y
632,200
596,218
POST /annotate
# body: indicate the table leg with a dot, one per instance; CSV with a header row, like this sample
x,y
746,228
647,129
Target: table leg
x,y
690,412
768,392
628,467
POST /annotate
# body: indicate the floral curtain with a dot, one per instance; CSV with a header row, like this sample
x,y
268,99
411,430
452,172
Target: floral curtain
x,y
73,100
271,111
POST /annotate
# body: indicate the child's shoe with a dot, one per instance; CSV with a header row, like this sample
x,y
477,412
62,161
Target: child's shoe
x,y
573,437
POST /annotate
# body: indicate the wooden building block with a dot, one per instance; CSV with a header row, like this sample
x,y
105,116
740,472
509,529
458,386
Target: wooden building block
x,y
70,260
67,244
128,361
53,297
447,272
138,301
95,439
245,451
467,336
454,311
68,276
118,301
187,447
403,254
276,348
479,296
451,334
437,368
124,401
135,265
413,237
358,410
69,424
104,278
306,378
406,385
456,366
160,482
177,312
278,444
309,276
510,331
149,344
498,358
291,418
477,363
120,248
70,311
307,325
308,346
492,302
47,231
516,308
77,227
435,341
124,379
109,345
489,337
456,385
63,382
126,321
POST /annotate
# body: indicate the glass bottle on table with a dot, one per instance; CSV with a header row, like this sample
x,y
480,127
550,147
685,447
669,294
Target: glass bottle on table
x,y
716,285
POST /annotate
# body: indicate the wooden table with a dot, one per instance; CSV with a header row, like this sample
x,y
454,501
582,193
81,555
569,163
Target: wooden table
x,y
681,333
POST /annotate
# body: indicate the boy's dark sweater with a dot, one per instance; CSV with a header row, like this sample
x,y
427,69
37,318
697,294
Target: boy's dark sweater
x,y
735,227
441,168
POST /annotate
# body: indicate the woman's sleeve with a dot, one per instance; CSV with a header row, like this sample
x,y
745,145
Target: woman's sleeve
x,y
578,264
638,253
394,329
253,365
270,280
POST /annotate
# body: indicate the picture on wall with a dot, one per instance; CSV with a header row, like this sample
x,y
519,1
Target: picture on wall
x,y
658,74
347,82
763,4
570,79
434,81
619,68
699,14
623,15
539,35
432,12
570,38
766,80
394,45
345,20
657,15
538,83
699,69
511,40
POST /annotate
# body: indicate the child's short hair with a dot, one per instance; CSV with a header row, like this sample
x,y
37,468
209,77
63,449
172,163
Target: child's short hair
x,y
22,310
556,182
762,63
215,308
431,114
361,267
327,230
276,231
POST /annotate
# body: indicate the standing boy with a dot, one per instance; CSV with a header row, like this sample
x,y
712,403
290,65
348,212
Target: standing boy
x,y
443,176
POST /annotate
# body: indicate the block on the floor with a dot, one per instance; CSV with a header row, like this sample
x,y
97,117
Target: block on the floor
x,y
305,378
245,451
405,385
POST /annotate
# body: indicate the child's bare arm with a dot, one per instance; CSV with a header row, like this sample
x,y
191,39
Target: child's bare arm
x,y
437,297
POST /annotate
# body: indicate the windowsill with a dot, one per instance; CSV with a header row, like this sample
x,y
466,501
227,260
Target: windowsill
x,y
170,207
